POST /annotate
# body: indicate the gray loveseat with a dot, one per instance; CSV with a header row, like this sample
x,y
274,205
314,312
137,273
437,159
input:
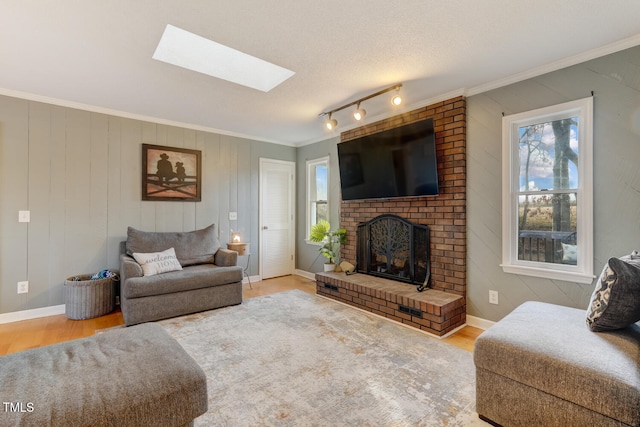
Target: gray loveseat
x,y
209,277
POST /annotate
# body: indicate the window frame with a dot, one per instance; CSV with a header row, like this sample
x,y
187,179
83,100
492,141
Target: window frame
x,y
310,167
582,272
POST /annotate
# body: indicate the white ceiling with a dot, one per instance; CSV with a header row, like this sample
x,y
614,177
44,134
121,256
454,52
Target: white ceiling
x,y
97,55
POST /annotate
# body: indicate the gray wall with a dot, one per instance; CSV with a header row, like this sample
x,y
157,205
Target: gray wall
x,y
308,257
79,174
615,80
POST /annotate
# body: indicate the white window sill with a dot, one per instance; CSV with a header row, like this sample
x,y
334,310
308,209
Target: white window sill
x,y
569,276
309,242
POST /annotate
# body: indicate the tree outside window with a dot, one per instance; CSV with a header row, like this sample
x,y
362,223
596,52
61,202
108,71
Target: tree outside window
x,y
547,206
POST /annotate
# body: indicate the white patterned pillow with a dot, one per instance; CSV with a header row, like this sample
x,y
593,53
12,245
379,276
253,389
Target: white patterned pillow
x,y
158,262
615,302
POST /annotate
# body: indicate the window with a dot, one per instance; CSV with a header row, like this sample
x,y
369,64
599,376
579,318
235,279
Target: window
x,y
317,191
547,194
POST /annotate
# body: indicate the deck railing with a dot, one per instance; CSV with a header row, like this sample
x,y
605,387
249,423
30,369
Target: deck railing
x,y
543,246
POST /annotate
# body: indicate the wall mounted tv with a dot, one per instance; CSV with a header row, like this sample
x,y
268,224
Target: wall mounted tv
x,y
399,162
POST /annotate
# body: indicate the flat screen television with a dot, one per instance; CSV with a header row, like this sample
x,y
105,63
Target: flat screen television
x,y
399,162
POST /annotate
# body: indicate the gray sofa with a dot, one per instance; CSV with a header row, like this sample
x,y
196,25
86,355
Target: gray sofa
x,y
541,365
138,376
208,278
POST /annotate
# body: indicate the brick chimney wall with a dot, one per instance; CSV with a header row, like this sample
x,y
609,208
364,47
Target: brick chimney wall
x,y
445,214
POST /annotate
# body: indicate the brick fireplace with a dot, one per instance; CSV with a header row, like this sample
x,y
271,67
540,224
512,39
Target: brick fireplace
x,y
391,247
445,215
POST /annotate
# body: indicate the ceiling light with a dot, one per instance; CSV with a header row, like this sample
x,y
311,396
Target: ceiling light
x,y
360,112
331,124
191,51
397,99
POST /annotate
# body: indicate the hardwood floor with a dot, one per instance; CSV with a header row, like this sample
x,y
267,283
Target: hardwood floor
x,y
26,334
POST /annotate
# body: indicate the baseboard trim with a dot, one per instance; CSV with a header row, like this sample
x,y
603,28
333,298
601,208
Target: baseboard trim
x,y
307,274
254,279
54,310
479,323
34,313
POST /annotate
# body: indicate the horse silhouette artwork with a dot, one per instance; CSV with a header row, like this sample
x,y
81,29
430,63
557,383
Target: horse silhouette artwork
x,y
170,174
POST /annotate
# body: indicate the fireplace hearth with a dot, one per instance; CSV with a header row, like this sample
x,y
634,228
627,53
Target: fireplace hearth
x,y
391,247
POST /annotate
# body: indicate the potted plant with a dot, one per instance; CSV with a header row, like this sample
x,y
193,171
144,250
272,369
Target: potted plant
x,y
331,240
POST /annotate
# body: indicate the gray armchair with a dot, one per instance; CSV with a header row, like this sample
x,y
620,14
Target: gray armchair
x,y
209,277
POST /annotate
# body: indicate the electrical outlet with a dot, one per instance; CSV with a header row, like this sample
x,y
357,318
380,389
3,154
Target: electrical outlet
x,y
24,216
23,287
233,216
493,297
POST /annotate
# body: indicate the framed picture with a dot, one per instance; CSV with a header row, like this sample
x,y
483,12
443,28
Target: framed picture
x,y
171,174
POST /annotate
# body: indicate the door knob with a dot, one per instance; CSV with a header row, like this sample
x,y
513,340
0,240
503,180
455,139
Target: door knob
x,y
265,227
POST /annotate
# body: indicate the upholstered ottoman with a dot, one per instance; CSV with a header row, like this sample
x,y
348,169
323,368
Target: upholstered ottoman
x,y
542,366
137,376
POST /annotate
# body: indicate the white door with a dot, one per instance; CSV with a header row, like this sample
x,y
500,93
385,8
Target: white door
x,y
277,230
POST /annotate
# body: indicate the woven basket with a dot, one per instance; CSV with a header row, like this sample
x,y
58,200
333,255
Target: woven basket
x,y
86,298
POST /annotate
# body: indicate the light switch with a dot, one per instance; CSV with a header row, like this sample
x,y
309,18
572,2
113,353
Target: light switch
x,y
24,216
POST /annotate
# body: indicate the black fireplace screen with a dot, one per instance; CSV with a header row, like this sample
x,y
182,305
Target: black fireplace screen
x,y
392,247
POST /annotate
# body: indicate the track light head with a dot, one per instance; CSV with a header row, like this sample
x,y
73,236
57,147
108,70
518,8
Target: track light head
x,y
397,99
359,113
331,124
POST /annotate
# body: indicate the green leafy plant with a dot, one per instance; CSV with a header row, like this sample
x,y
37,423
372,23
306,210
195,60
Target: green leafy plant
x,y
331,240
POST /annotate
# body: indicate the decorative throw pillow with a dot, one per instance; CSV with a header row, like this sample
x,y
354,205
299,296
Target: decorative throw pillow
x,y
158,262
615,302
192,247
569,254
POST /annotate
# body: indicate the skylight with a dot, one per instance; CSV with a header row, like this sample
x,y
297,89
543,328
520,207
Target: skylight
x,y
187,50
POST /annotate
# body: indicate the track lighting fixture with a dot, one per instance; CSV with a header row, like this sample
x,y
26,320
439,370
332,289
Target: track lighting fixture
x,y
361,112
331,124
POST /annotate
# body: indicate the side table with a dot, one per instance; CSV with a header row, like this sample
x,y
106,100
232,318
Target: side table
x,y
242,248
246,270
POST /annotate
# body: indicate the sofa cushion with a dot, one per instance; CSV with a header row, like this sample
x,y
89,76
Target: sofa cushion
x,y
549,348
158,262
189,278
615,302
192,247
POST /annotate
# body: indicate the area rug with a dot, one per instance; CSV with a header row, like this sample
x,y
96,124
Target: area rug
x,y
297,359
